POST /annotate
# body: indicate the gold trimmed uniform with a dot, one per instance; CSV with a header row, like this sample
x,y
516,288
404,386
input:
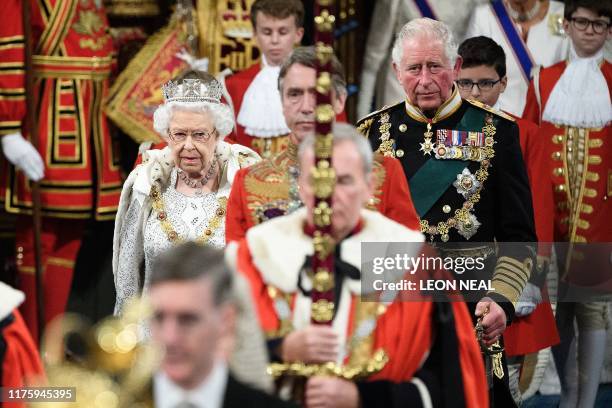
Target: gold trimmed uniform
x,y
72,57
469,184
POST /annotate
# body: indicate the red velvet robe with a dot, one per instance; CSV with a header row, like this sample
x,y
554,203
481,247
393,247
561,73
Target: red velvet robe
x,y
403,331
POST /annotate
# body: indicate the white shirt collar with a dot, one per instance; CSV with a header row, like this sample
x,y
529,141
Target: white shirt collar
x,y
209,394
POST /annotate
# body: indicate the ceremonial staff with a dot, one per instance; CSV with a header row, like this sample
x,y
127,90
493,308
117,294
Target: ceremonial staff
x,y
31,128
323,176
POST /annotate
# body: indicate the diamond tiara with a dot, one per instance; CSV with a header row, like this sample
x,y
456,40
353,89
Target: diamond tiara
x,y
192,90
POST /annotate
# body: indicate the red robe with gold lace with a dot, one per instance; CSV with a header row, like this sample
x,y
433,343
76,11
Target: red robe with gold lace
x,y
271,256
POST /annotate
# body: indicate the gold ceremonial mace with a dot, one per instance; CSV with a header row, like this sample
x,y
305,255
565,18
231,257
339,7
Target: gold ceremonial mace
x,y
31,128
323,175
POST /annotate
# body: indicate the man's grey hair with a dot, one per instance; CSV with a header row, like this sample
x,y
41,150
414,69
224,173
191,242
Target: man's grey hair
x,y
342,132
190,261
307,57
430,29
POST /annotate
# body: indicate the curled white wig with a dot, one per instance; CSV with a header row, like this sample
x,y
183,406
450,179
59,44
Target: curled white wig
x,y
427,28
221,114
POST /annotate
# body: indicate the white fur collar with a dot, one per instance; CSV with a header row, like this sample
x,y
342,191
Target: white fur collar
x,y
157,166
11,299
279,246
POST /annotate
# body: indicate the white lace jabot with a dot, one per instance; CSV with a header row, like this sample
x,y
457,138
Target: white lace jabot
x,y
261,112
581,97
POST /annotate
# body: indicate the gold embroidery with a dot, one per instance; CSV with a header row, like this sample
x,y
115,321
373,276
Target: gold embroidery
x,y
386,147
583,224
592,176
586,208
595,159
595,143
364,127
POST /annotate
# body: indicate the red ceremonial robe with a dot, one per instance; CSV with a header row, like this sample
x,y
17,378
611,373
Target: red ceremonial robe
x,y
269,255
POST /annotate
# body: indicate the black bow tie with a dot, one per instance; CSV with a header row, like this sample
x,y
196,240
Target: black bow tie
x,y
342,270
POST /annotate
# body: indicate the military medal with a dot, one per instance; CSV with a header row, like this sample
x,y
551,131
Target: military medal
x,y
466,183
427,146
460,145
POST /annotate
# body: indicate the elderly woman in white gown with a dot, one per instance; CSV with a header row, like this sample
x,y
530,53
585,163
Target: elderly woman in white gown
x,y
179,193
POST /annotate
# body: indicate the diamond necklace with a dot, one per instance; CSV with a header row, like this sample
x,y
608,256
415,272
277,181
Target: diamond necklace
x,y
197,185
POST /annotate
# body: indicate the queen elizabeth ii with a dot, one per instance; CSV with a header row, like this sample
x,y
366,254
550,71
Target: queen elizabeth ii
x,y
178,193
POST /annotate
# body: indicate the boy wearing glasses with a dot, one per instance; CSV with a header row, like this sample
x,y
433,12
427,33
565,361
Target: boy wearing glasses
x,y
483,78
571,101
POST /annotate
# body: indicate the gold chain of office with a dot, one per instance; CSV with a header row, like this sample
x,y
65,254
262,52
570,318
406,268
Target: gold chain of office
x,y
160,208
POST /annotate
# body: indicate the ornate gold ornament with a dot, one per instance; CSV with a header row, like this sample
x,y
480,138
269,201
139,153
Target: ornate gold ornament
x,y
322,214
323,280
323,244
322,311
323,179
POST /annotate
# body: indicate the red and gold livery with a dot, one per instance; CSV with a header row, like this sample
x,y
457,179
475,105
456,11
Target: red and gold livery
x,y
72,60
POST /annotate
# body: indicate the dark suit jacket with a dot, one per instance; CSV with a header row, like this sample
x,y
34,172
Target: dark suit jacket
x,y
239,395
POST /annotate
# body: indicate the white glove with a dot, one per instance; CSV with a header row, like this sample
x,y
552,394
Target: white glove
x,y
23,155
528,301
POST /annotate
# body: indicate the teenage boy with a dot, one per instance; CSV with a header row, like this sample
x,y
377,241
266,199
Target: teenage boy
x,y
278,26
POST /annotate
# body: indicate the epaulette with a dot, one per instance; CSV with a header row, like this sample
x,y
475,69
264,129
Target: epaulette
x,y
490,109
364,123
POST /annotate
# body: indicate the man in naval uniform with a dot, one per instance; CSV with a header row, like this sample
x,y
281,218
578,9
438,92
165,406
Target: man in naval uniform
x,y
465,171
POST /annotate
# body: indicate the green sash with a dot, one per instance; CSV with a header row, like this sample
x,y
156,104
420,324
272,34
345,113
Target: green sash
x,y
433,178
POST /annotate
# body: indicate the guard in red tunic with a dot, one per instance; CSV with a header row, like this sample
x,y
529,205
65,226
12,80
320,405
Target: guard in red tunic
x,y
278,27
571,101
269,188
76,160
